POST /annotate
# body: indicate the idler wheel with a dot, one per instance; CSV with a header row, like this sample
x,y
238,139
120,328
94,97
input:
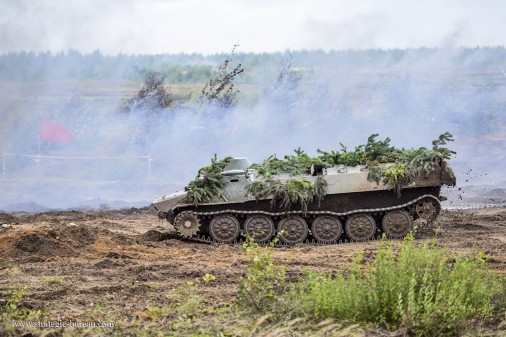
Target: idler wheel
x,y
326,229
259,227
293,229
427,208
187,224
224,228
360,227
397,224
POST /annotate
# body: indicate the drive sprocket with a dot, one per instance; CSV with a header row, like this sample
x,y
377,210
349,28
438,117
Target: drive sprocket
x,y
428,209
187,224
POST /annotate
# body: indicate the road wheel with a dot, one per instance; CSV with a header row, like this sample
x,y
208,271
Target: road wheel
x,y
326,229
259,227
293,229
360,227
224,228
397,224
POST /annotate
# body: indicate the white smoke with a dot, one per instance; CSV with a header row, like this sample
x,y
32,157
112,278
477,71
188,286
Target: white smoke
x,y
410,100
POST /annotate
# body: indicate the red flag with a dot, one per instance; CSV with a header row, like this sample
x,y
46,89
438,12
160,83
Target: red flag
x,y
54,132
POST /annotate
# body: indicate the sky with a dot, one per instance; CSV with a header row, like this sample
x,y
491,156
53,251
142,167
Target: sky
x,y
204,26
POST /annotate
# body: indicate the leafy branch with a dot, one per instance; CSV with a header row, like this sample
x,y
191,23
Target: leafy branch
x,y
220,91
208,183
292,192
155,95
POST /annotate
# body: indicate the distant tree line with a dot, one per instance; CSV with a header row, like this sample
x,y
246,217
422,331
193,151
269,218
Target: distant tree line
x,y
198,68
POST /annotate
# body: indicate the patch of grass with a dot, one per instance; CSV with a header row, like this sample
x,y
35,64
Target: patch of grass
x,y
183,302
186,300
427,290
54,280
99,311
154,288
13,310
13,271
208,278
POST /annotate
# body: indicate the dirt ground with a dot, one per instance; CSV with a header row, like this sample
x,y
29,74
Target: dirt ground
x,y
74,262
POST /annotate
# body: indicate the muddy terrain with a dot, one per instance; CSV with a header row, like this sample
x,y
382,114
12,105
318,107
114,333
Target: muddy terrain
x,y
76,264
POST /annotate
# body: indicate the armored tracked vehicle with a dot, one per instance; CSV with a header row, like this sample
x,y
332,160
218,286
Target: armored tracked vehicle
x,y
348,207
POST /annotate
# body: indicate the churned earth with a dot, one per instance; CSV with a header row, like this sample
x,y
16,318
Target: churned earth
x,y
80,264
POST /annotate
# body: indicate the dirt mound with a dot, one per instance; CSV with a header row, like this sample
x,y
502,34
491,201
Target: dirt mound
x,y
155,236
61,217
7,218
51,242
108,263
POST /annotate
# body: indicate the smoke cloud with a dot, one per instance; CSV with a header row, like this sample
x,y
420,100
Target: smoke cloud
x,y
154,26
120,159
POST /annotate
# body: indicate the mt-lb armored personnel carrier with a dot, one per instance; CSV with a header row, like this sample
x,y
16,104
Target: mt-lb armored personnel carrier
x,y
352,208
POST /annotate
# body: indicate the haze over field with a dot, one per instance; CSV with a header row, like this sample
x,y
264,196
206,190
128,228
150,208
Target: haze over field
x,y
324,97
174,26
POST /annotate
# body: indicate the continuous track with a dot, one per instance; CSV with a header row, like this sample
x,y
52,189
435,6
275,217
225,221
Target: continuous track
x,y
409,206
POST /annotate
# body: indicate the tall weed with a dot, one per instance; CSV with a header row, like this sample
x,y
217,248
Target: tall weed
x,y
261,289
428,290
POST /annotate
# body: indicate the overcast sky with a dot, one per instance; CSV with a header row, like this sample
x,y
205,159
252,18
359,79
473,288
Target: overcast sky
x,y
210,26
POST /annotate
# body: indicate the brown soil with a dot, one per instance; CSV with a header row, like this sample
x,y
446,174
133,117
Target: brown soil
x,y
126,260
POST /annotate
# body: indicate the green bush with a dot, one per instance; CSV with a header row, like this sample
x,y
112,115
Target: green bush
x,y
425,289
12,308
260,290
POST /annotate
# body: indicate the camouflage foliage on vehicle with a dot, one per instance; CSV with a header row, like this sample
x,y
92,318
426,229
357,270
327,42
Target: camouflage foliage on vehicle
x,y
407,165
286,194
